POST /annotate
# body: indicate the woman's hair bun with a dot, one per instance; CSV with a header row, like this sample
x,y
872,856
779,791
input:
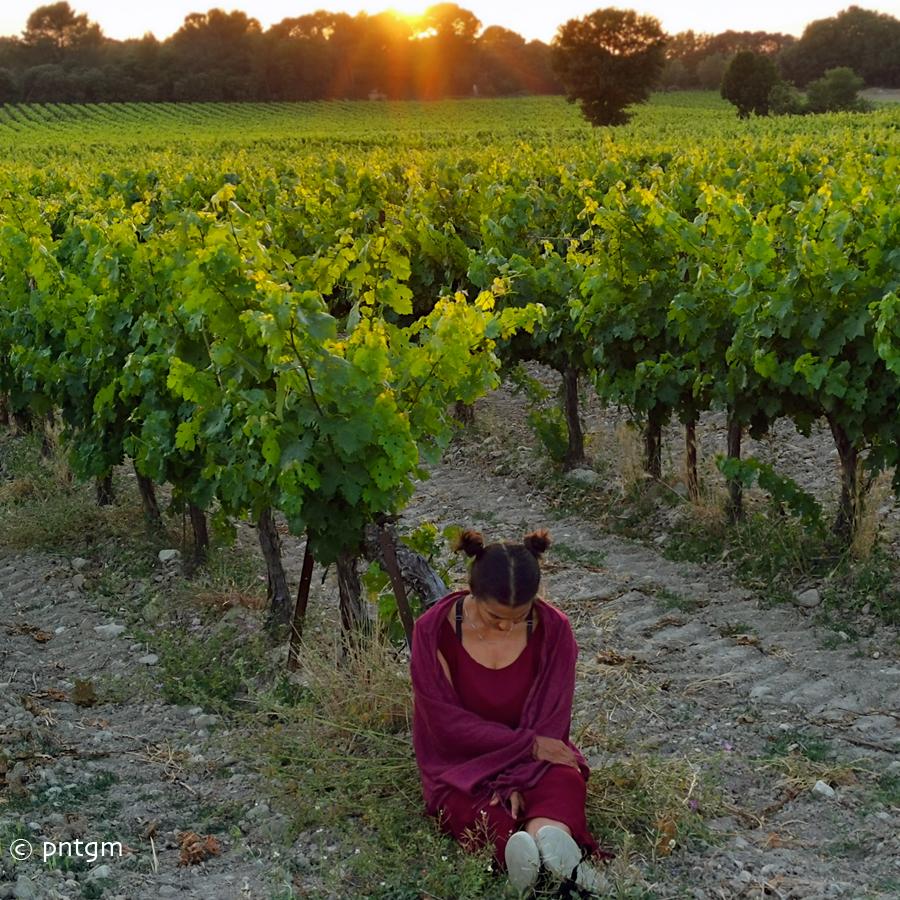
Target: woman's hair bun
x,y
537,541
471,541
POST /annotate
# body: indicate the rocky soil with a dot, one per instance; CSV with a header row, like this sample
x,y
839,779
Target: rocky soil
x,y
675,658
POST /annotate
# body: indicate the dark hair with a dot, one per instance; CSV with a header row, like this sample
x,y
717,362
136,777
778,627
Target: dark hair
x,y
506,572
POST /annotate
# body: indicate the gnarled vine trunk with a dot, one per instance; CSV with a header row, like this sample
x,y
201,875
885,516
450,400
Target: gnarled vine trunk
x,y
148,500
105,494
356,616
690,456
201,533
847,515
300,607
277,592
575,451
653,443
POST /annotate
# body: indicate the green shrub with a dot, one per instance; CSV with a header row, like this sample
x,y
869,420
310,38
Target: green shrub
x,y
836,90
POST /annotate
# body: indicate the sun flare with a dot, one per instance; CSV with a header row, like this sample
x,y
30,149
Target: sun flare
x,y
407,10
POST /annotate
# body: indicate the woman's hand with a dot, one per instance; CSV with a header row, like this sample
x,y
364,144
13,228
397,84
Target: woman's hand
x,y
516,803
554,751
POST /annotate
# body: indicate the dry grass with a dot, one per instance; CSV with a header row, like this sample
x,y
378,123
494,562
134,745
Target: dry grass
x,y
628,451
658,803
227,598
17,490
365,685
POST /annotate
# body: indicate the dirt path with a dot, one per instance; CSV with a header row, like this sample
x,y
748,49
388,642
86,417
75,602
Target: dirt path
x,y
758,698
134,773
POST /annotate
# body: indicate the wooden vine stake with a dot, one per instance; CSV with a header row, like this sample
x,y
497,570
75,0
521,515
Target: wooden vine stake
x,y
300,607
390,558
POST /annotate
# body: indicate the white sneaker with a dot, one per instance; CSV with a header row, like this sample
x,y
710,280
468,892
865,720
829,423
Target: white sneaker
x,y
523,861
589,879
562,856
559,852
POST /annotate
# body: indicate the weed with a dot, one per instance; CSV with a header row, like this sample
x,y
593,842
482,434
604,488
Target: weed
x,y
670,600
573,554
788,742
887,790
733,629
209,671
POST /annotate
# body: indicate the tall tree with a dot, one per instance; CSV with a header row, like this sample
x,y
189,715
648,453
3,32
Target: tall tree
x,y
216,52
748,82
608,60
56,30
864,40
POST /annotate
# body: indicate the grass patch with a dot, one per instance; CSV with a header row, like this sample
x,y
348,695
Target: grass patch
x,y
339,757
47,509
50,510
870,586
786,743
573,554
232,577
209,670
887,789
668,599
801,766
776,556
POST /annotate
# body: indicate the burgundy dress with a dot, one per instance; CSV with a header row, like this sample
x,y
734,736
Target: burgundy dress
x,y
499,695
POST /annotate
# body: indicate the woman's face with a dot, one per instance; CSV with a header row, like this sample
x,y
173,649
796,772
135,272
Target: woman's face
x,y
500,617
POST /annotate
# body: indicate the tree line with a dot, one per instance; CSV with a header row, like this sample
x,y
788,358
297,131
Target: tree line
x,y
62,56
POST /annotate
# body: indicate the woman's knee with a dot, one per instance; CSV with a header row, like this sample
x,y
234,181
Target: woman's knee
x,y
567,774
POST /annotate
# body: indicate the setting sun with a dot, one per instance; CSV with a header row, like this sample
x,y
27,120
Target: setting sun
x,y
407,10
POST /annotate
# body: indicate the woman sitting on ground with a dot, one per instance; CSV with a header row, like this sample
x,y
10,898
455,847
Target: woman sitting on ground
x,y
493,675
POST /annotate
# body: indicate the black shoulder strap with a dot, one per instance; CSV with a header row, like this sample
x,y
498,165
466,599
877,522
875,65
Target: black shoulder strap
x,y
459,615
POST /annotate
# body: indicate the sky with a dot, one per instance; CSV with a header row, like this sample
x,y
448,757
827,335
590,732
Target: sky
x,y
529,18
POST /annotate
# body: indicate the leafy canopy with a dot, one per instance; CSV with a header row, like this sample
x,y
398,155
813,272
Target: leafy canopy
x,y
608,60
748,82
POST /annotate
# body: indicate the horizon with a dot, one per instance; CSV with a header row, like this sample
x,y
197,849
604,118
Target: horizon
x,y
165,17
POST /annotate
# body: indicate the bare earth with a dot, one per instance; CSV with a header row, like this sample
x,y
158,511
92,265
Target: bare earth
x,y
714,675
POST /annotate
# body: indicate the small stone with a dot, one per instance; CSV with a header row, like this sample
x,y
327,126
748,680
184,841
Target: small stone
x,y
168,555
78,581
99,872
584,476
822,789
260,811
808,599
149,659
110,630
151,612
79,563
25,889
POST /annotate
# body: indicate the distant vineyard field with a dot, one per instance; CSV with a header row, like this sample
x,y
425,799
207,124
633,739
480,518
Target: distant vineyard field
x,y
367,123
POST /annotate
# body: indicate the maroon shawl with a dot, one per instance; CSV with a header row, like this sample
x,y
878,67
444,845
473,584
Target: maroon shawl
x,y
458,749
